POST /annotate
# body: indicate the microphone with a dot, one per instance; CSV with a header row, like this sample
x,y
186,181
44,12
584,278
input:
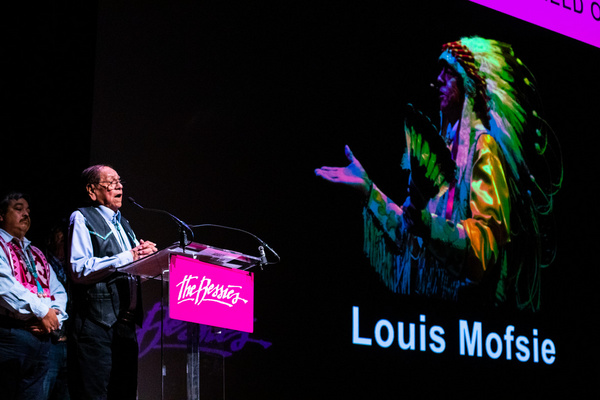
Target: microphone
x,y
261,247
263,256
183,227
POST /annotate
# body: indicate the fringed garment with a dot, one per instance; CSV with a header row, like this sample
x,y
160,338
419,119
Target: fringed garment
x,y
469,227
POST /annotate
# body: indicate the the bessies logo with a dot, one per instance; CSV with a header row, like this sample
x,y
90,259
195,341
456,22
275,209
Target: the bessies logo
x,y
196,290
174,334
212,295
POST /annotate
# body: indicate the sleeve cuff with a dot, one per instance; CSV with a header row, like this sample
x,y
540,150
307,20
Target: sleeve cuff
x,y
40,310
124,258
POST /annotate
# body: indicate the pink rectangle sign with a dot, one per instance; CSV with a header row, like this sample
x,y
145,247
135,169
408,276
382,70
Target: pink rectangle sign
x,y
212,295
579,19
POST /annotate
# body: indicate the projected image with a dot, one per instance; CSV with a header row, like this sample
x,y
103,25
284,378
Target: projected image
x,y
475,224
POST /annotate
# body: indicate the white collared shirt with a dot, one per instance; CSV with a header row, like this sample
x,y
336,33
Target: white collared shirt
x,y
17,301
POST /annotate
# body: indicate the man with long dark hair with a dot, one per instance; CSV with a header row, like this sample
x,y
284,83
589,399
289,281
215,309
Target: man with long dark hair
x,y
479,187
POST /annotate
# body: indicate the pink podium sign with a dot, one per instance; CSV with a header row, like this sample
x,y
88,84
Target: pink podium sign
x,y
212,295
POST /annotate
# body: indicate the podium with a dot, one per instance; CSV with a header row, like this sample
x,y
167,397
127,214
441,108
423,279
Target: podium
x,y
206,288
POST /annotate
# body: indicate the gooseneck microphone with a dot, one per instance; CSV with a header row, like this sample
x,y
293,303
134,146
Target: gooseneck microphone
x,y
184,228
261,247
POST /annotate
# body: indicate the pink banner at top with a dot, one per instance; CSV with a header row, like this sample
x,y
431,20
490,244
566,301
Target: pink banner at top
x,y
578,19
212,295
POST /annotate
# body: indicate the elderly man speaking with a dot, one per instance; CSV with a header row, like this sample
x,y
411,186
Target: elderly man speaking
x,y
103,348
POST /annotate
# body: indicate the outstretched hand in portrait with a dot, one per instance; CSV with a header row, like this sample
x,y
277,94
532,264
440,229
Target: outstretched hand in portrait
x,y
352,175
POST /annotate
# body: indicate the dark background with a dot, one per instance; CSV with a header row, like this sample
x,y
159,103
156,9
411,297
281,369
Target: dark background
x,y
219,113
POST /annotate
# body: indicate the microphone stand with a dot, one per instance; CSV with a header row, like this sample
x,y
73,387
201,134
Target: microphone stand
x,y
183,228
261,248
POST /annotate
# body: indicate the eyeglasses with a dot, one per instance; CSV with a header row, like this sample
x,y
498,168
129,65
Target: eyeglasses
x,y
111,185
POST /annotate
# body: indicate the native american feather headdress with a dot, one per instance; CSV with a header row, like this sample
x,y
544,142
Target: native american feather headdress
x,y
505,100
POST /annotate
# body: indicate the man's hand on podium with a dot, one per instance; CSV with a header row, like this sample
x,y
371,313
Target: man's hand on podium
x,y
145,248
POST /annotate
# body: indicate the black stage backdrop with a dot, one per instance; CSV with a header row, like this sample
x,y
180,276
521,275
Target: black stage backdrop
x,y
47,96
219,113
